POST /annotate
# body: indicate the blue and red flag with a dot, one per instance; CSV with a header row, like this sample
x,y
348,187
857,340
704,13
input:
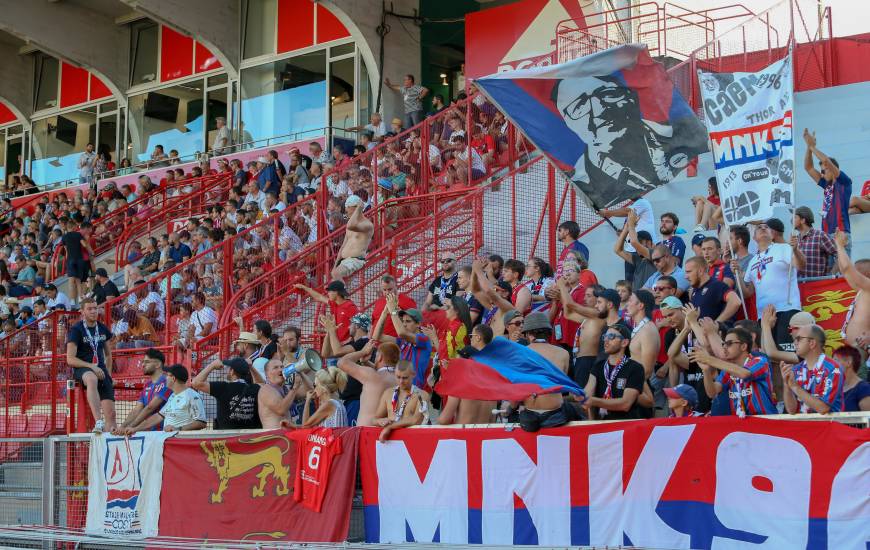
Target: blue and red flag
x,y
612,122
503,370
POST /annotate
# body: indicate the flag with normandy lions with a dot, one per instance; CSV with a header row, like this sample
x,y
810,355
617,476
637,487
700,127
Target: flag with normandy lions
x,y
749,118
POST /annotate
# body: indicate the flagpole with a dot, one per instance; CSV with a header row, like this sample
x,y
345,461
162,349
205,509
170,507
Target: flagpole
x,y
738,274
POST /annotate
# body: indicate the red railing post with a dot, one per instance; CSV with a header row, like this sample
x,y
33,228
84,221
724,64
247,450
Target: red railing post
x,y
468,159
423,183
553,214
276,228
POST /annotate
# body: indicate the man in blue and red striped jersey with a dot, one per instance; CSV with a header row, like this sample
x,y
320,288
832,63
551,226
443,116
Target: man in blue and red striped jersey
x,y
414,346
745,377
816,383
836,188
152,397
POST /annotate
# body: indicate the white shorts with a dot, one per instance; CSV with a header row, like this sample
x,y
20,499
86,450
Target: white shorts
x,y
352,265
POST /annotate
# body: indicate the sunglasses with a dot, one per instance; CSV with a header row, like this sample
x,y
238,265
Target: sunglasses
x,y
729,343
447,260
610,336
516,323
656,260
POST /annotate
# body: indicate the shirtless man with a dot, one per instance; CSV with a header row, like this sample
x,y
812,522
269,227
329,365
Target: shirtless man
x,y
469,411
375,379
274,398
858,276
352,256
402,405
598,311
645,340
537,328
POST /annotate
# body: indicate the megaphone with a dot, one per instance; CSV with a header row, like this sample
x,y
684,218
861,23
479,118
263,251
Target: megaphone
x,y
309,360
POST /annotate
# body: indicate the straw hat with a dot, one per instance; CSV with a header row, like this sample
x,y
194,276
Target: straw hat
x,y
247,338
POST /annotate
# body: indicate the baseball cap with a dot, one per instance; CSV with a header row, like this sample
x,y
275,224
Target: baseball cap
x,y
610,295
362,320
101,272
413,314
178,371
683,391
698,239
805,213
156,354
337,286
510,316
240,367
536,321
50,286
397,121
263,160
671,302
775,224
352,200
802,319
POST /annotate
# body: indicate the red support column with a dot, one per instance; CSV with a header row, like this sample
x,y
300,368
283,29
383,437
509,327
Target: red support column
x,y
553,215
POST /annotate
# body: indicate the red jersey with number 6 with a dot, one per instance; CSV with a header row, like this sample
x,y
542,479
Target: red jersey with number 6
x,y
316,450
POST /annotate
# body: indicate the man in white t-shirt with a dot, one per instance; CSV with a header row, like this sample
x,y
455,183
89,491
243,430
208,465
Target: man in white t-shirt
x,y
646,221
183,411
772,278
203,320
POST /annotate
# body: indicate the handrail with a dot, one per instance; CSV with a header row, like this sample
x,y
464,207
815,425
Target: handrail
x,y
192,157
223,249
183,205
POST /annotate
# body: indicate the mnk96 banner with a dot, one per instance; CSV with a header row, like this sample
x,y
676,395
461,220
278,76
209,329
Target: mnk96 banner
x,y
672,483
749,118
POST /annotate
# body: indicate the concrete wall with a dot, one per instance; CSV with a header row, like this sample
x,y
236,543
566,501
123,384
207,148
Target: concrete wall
x,y
401,45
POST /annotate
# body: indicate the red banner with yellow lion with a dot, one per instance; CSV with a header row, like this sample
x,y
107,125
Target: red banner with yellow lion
x,y
828,300
241,488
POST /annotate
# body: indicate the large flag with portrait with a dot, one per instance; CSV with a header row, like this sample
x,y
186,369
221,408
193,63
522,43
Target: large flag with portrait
x,y
612,122
749,116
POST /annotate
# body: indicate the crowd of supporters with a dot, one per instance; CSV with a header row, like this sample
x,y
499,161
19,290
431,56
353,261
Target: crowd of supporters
x,y
717,332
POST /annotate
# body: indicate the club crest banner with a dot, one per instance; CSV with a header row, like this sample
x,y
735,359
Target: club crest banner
x,y
612,122
749,118
124,482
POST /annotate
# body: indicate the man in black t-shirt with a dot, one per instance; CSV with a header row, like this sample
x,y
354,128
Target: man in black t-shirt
x,y
616,382
679,340
78,257
445,285
105,288
236,398
89,354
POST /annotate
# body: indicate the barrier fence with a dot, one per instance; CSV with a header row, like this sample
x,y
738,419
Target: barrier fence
x,y
44,481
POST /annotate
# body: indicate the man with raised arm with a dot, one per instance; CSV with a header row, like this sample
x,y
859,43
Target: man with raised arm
x,y
745,377
352,256
375,378
275,398
858,276
836,187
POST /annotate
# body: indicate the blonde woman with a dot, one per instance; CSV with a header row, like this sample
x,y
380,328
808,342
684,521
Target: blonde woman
x,y
330,412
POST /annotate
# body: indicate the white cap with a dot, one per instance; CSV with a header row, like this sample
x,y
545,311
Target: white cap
x,y
263,160
352,200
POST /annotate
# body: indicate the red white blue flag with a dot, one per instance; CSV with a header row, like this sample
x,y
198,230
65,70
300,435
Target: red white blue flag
x,y
612,122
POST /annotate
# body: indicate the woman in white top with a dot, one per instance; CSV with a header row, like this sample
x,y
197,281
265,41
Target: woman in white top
x,y
330,412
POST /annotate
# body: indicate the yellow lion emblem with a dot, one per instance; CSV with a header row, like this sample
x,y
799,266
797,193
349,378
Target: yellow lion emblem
x,y
230,464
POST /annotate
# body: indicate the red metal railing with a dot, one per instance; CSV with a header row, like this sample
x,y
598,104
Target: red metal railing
x,y
149,210
443,221
213,190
